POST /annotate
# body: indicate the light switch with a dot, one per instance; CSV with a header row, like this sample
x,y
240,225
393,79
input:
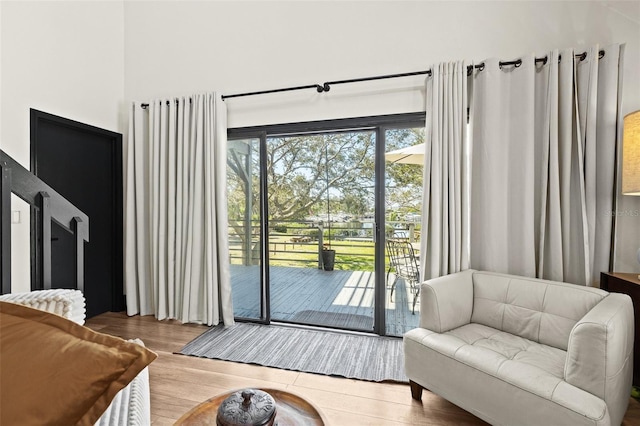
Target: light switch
x,y
15,216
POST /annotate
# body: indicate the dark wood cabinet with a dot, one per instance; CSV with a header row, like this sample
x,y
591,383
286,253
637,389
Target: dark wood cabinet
x,y
618,282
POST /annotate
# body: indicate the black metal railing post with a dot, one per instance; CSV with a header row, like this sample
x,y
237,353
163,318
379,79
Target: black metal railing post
x,y
45,234
78,227
5,230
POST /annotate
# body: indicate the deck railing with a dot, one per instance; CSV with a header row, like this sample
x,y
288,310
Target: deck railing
x,y
300,243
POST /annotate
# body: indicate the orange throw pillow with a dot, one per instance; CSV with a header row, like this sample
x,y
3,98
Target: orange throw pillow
x,y
54,371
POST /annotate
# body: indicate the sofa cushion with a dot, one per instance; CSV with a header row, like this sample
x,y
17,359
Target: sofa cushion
x,y
491,350
506,398
533,367
534,309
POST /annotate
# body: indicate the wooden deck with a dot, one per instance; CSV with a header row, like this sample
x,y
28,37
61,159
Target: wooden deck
x,y
330,298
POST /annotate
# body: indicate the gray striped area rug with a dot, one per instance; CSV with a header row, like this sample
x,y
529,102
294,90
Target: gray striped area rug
x,y
353,356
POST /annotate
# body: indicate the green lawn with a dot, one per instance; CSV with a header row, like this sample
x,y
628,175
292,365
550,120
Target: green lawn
x,y
350,255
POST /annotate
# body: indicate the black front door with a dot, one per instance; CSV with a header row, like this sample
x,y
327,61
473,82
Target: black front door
x,y
84,164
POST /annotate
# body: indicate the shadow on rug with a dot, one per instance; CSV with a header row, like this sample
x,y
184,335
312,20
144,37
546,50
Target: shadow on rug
x,y
353,321
354,356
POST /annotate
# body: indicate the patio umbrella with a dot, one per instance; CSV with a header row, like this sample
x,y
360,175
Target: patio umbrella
x,y
413,154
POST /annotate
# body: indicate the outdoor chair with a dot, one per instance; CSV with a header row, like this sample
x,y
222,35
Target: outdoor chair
x,y
402,259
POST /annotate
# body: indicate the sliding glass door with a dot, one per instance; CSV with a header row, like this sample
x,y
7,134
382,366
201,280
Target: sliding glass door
x,y
321,204
311,209
403,205
245,227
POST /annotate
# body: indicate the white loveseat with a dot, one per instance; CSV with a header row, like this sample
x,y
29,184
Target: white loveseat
x,y
523,351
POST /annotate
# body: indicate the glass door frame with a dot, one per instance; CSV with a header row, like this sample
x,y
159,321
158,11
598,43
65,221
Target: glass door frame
x,y
261,136
379,125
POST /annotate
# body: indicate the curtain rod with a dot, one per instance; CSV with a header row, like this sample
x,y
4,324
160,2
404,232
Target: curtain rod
x,y
325,87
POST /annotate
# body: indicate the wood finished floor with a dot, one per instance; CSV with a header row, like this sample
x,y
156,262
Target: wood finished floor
x,y
178,383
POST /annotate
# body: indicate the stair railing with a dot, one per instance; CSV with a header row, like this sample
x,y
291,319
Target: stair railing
x,y
51,206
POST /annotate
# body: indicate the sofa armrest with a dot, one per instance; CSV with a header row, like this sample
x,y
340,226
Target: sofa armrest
x,y
600,349
131,406
447,302
66,303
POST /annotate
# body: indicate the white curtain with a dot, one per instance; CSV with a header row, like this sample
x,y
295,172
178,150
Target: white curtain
x,y
444,246
176,241
543,166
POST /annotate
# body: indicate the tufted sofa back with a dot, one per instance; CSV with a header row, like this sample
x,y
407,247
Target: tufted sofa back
x,y
538,310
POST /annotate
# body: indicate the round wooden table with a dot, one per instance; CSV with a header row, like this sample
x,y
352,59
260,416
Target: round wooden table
x,y
291,410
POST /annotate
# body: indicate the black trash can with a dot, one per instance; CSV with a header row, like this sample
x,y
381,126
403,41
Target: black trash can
x,y
328,259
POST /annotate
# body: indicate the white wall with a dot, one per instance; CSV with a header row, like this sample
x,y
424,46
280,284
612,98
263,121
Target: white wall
x,y
87,60
175,48
64,58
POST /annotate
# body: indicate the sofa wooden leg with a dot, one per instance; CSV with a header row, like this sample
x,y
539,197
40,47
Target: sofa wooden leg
x,y
416,390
